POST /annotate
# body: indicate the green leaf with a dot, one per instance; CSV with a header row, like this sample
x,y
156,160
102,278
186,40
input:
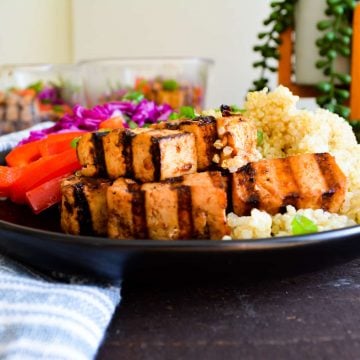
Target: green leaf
x,y
342,110
338,10
324,24
330,36
342,93
321,63
187,112
301,225
331,54
344,78
324,86
346,30
170,85
322,100
260,137
135,96
74,142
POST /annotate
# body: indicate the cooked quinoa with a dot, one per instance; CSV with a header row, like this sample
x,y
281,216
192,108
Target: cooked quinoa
x,y
291,131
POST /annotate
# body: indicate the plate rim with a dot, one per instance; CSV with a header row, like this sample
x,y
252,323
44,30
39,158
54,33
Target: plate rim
x,y
188,245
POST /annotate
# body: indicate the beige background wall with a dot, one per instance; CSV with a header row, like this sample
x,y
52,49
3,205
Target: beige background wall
x,y
72,30
33,31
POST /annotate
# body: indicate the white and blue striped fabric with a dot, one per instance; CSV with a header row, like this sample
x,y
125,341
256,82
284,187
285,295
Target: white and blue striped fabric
x,y
44,319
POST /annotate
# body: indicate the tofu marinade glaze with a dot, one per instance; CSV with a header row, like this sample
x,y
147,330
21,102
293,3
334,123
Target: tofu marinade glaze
x,y
187,204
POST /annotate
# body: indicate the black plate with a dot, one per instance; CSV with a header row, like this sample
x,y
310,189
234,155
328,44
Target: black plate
x,y
37,240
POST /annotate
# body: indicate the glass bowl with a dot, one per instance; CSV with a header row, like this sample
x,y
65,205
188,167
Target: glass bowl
x,y
37,92
175,81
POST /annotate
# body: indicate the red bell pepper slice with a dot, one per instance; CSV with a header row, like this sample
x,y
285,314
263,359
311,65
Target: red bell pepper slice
x,y
8,175
41,171
45,195
57,143
24,154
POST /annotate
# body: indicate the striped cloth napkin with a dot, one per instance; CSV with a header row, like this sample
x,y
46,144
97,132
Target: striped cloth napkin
x,y
44,319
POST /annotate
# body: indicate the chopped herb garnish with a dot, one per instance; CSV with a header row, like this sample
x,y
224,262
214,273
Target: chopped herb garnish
x,y
135,96
170,85
37,86
236,109
74,142
132,124
301,225
187,112
174,116
260,137
58,108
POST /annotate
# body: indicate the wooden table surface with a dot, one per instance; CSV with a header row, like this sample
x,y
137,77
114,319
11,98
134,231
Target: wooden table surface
x,y
294,308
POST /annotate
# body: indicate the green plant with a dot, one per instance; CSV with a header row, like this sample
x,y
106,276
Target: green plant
x,y
334,43
280,19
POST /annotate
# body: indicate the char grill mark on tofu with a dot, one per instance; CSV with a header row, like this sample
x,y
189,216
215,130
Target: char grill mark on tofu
x,y
155,157
304,181
118,149
83,207
245,196
205,131
163,154
126,208
138,211
127,153
90,152
83,210
209,203
335,181
185,212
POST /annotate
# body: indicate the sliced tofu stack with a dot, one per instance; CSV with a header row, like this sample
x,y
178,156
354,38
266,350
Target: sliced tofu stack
x,y
228,141
192,206
90,152
126,210
236,142
305,181
209,203
83,206
163,154
205,131
118,152
143,154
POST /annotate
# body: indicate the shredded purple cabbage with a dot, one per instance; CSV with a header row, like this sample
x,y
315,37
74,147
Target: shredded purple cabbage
x,y
50,95
141,113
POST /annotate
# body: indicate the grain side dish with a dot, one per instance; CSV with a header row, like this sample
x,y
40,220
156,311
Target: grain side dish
x,y
290,131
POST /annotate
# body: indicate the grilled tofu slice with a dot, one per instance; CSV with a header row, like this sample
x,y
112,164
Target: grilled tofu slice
x,y
126,210
236,142
159,211
304,181
83,206
192,206
163,154
90,152
204,129
118,152
168,211
209,203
